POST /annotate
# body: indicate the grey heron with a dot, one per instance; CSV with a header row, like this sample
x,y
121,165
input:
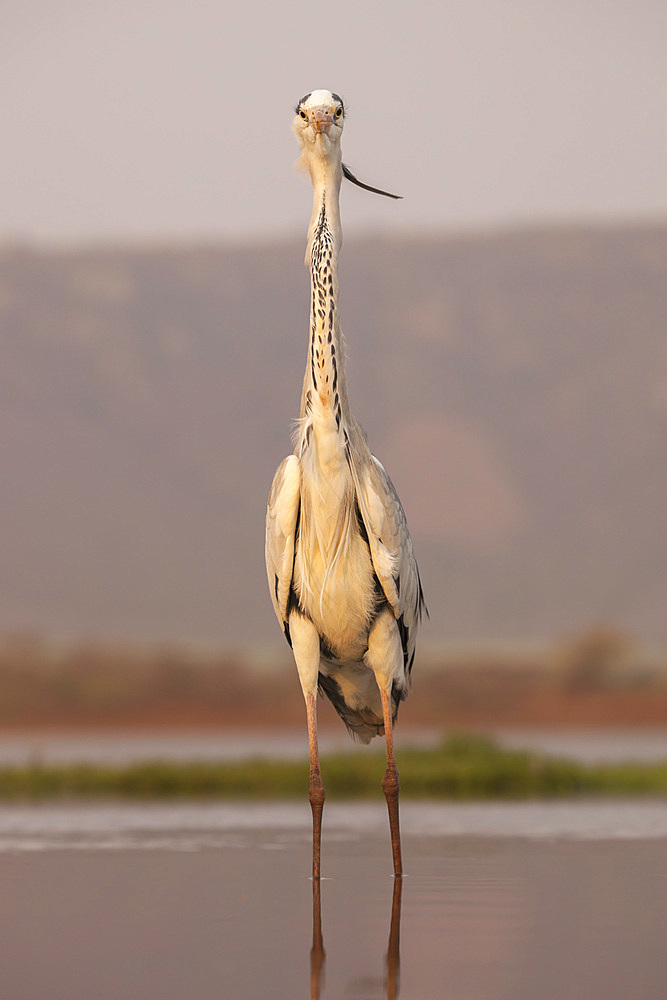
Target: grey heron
x,y
341,568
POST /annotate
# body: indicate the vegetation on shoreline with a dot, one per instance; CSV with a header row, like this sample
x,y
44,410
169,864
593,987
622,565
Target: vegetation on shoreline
x,y
463,767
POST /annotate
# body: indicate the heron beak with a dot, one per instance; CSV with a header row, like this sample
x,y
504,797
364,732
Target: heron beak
x,y
321,119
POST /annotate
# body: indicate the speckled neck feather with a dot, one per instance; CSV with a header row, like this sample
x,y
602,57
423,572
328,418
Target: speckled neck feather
x,y
324,381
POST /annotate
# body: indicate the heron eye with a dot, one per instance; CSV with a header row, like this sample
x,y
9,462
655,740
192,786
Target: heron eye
x,y
339,112
303,114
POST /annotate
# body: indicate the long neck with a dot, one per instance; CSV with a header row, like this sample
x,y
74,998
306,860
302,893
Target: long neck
x,y
324,382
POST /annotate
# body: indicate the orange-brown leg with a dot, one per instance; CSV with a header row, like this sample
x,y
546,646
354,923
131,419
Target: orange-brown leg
x,y
316,788
317,952
390,785
394,947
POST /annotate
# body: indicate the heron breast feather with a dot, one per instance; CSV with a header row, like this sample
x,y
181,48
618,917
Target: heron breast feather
x,y
337,591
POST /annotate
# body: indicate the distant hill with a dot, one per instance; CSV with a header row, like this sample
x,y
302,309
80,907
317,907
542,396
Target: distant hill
x,y
515,387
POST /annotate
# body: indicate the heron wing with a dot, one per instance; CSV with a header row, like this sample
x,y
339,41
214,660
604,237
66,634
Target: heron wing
x,y
391,551
282,514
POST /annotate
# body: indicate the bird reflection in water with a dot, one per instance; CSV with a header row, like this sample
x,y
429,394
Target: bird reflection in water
x,y
317,952
393,956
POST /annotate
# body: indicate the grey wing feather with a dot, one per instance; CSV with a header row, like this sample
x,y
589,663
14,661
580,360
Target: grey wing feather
x,y
282,514
391,551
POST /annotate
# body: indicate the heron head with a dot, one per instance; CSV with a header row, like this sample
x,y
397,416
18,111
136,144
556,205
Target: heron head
x,y
318,125
318,121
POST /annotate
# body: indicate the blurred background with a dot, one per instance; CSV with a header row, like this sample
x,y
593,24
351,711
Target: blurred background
x,y
506,340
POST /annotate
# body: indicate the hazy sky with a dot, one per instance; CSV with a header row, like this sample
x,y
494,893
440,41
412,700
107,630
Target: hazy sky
x,y
171,118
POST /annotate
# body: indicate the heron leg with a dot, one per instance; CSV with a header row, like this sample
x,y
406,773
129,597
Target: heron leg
x,y
306,648
315,788
385,658
317,952
394,947
390,785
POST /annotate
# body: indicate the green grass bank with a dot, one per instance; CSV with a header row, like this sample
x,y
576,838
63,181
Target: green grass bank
x,y
463,767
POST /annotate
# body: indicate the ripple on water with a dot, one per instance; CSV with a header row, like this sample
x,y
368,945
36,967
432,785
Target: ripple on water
x,y
272,826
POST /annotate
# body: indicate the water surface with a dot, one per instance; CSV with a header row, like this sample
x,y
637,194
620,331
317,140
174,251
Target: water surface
x,y
168,901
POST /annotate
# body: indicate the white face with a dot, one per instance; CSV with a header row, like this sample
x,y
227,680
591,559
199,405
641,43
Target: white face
x,y
320,113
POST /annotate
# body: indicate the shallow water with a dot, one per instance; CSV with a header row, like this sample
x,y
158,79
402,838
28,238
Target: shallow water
x,y
528,900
